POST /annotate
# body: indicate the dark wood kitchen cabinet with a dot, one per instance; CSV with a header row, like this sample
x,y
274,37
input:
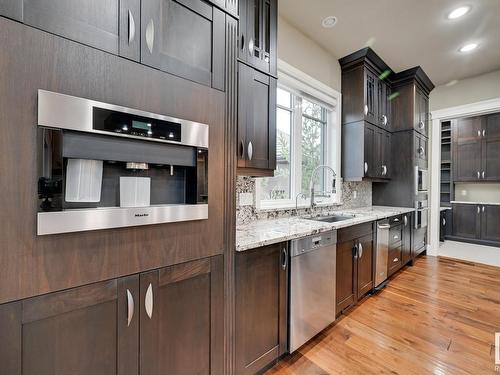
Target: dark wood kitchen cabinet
x,y
374,160
366,96
467,149
421,108
87,330
354,267
258,26
490,223
181,319
261,307
185,38
140,324
491,148
110,25
256,122
466,220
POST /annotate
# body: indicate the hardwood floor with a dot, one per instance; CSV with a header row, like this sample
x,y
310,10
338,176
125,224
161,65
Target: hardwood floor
x,y
437,317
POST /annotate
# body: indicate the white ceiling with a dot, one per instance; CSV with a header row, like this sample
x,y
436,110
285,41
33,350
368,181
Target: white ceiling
x,y
406,33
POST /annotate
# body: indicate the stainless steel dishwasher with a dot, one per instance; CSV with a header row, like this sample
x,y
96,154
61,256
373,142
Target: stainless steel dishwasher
x,y
312,286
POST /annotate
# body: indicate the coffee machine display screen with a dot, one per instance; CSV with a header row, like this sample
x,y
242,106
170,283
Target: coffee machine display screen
x,y
133,125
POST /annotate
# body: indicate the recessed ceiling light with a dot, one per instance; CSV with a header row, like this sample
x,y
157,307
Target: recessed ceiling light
x,y
459,12
468,47
329,22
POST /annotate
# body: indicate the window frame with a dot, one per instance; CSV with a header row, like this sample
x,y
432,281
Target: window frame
x,y
303,86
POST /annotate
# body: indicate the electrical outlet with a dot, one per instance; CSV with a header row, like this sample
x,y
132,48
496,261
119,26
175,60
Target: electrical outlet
x,y
246,199
355,194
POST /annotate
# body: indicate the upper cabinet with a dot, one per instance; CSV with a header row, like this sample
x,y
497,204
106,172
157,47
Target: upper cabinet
x,y
256,121
410,103
476,148
366,93
185,38
258,34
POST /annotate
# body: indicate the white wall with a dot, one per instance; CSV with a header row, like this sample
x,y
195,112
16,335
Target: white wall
x,y
466,91
303,53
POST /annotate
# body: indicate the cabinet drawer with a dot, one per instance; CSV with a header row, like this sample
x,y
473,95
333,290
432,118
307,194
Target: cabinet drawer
x,y
356,231
394,260
395,235
395,220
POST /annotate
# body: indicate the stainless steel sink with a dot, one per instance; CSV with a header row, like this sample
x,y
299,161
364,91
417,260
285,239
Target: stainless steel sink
x,y
331,219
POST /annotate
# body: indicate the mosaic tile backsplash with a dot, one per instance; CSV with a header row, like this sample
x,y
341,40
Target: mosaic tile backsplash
x,y
246,214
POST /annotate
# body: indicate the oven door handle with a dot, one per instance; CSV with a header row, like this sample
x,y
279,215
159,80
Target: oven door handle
x,y
416,180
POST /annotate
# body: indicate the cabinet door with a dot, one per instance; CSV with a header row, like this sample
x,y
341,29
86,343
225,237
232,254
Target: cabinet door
x,y
364,266
421,114
382,114
180,314
466,220
257,119
345,287
407,238
385,154
421,148
87,330
370,108
259,39
467,152
258,274
130,29
12,9
491,148
372,151
184,38
91,22
419,241
490,223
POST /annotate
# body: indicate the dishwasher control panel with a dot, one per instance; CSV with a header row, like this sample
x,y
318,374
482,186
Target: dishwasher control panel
x,y
315,241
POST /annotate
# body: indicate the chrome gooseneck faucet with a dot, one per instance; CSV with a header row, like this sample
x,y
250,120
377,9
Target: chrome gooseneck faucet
x,y
311,182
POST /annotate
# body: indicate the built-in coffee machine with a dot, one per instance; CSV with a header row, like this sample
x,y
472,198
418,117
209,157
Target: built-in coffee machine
x,y
106,166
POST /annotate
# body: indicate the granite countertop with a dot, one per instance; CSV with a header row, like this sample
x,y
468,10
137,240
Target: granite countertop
x,y
266,232
486,203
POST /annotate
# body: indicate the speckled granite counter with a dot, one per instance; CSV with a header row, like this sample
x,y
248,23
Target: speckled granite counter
x,y
266,232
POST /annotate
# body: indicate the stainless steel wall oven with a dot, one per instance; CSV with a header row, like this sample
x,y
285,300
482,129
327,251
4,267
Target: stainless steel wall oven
x,y
106,166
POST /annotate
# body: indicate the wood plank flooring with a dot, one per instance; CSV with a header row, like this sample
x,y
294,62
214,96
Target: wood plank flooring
x,y
437,317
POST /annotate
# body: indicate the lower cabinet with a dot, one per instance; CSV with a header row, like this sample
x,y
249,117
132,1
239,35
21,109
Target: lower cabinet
x,y
466,221
477,222
140,324
261,307
354,265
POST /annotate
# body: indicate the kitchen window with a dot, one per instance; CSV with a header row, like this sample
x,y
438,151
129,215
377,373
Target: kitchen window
x,y
308,135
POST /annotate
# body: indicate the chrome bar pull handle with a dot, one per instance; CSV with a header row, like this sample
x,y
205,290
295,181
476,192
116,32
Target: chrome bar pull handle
x,y
284,262
365,109
482,209
444,221
130,307
360,247
251,46
150,35
478,209
131,27
366,167
483,175
395,260
484,133
421,125
406,220
478,174
148,301
384,120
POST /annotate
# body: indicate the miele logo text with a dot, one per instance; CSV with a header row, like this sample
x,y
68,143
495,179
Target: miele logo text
x,y
141,215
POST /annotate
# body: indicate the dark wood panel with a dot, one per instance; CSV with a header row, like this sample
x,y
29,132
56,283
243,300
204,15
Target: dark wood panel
x,y
354,231
466,220
257,308
11,343
78,331
92,22
12,9
179,326
184,271
37,265
491,158
130,29
345,271
365,266
467,161
490,223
